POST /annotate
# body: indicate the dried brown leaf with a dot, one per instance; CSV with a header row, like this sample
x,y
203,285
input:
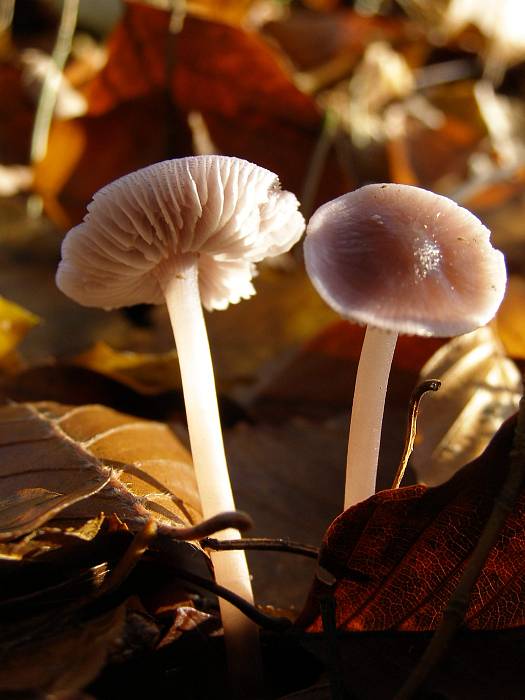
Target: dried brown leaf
x,y
64,656
70,464
480,388
48,539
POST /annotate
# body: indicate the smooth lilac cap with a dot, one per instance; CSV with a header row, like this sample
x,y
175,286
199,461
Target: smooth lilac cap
x,y
406,260
229,212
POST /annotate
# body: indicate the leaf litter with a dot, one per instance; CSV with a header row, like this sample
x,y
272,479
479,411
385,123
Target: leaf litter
x,y
312,381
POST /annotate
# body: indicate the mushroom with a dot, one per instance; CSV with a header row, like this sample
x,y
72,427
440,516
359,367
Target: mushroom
x,y
398,259
186,232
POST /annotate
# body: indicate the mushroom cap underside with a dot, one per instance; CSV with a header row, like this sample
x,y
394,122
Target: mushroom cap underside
x,y
226,211
404,259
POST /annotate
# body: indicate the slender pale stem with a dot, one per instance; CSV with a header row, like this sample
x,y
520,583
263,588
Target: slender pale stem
x,y
48,95
180,284
367,414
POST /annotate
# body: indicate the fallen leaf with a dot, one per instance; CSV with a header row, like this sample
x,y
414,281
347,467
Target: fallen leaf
x,y
318,379
311,39
65,656
186,619
500,22
480,388
280,124
231,11
248,338
136,64
398,556
15,179
15,323
152,81
375,665
47,539
16,116
69,384
85,154
510,319
147,373
70,464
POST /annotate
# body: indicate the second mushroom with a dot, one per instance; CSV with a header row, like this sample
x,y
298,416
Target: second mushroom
x,y
398,259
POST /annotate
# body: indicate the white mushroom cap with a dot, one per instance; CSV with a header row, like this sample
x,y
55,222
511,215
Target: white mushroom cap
x,y
404,259
230,212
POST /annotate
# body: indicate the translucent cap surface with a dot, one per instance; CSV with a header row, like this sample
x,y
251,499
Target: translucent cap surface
x,y
404,259
230,212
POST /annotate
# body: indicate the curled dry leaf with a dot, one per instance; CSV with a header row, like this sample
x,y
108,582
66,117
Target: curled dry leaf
x,y
397,557
50,539
480,388
71,464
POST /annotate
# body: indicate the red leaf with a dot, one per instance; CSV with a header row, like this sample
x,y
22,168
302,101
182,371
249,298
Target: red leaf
x,y
232,77
16,116
86,153
398,556
136,66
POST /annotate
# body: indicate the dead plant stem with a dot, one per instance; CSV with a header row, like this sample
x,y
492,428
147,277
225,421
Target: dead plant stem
x,y
48,94
410,435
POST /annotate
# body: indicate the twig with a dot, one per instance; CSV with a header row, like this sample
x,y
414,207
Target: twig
x,y
445,72
148,534
133,553
48,94
334,666
410,435
226,520
317,163
458,603
277,624
265,544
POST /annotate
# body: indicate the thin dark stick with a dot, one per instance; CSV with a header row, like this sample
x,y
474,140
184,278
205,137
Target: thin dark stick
x,y
445,72
410,435
267,544
277,624
222,521
317,163
334,666
458,603
50,87
129,560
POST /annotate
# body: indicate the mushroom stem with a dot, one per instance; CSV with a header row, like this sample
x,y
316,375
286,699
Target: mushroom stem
x,y
367,414
181,290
